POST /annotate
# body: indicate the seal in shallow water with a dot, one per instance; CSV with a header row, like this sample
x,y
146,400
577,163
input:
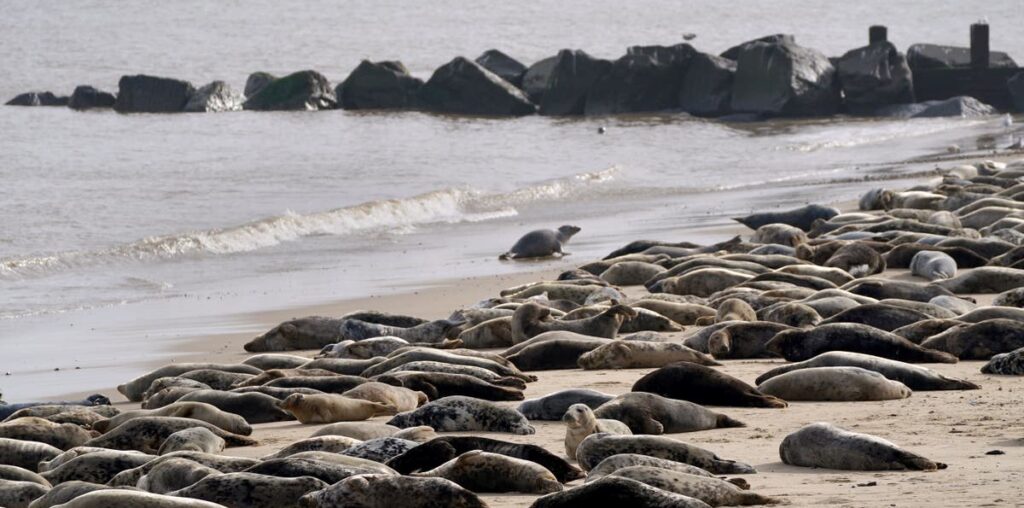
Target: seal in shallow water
x,y
827,446
541,243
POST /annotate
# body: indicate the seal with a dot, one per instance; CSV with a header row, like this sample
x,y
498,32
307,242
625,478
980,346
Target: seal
x,y
881,289
644,321
553,406
622,460
377,491
879,315
173,474
269,361
790,314
170,390
135,388
598,447
541,243
857,259
434,332
224,464
781,234
901,256
458,413
703,385
325,384
446,357
920,331
704,282
217,379
250,489
802,217
196,439
64,457
985,279
331,443
184,409
273,374
915,377
402,399
350,463
448,368
32,428
253,407
648,413
836,384
979,341
955,305
986,313
343,366
363,349
119,498
804,344
329,472
79,416
528,321
555,354
744,340
580,422
833,275
439,450
732,309
275,392
380,449
147,433
481,471
713,491
95,467
361,431
827,446
1007,364
563,290
617,491
65,492
640,355
631,273
492,333
682,313
933,265
20,494
439,384
331,408
18,474
95,402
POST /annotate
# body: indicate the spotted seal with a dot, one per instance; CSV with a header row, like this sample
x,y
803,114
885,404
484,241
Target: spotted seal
x,y
1007,364
458,413
541,243
598,447
827,446
914,377
649,413
481,471
703,385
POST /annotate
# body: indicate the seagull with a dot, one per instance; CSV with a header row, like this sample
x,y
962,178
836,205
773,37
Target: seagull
x,y
601,130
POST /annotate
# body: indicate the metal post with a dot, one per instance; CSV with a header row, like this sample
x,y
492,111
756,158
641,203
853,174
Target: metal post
x,y
877,33
979,46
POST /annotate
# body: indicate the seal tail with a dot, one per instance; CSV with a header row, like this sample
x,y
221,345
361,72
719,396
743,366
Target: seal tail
x,y
727,422
234,440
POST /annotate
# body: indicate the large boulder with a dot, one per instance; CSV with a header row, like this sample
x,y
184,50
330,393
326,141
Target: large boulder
x,y
256,82
88,97
573,76
647,79
962,106
707,87
934,56
300,91
536,78
215,97
504,66
875,76
38,99
1016,86
733,53
784,79
151,94
464,87
379,85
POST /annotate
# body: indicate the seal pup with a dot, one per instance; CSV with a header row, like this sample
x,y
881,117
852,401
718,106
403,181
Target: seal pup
x,y
933,265
827,446
580,422
914,377
640,355
703,385
480,471
26,454
649,413
803,344
439,450
839,384
378,491
616,462
713,491
598,447
457,413
250,490
1007,364
541,243
617,491
553,406
330,408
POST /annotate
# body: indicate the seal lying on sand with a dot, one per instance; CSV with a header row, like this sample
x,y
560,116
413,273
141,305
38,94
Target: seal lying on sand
x,y
439,450
827,446
453,414
802,217
914,376
531,319
703,385
481,471
331,408
617,491
379,491
580,422
649,413
541,243
799,344
1007,364
598,447
553,406
834,384
710,490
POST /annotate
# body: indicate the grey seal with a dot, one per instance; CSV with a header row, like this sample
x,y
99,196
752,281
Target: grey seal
x,y
985,279
631,273
119,498
878,315
269,361
15,494
844,384
713,491
914,377
135,388
555,354
196,439
782,234
616,462
18,474
436,451
65,492
529,320
617,491
802,217
502,369
979,341
682,313
439,384
94,402
800,344
32,428
744,340
96,467
401,398
827,446
580,422
553,406
381,449
541,243
363,349
434,332
253,407
184,409
329,472
704,282
457,413
331,408
378,491
703,385
598,447
250,490
648,413
933,265
495,332
357,430
331,443
26,454
857,259
1007,364
481,471
147,433
173,474
640,355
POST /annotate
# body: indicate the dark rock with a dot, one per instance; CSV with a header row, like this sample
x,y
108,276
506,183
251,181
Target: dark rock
x,y
215,97
934,56
87,97
536,77
875,76
300,91
733,53
38,99
1016,86
151,94
784,79
464,87
647,79
504,66
257,81
707,87
962,106
573,76
379,85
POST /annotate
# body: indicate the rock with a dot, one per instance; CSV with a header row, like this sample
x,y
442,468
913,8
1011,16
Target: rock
x,y
303,90
707,87
1016,86
962,106
733,53
151,94
215,97
875,76
87,97
572,77
784,79
647,79
934,56
256,82
38,99
379,85
536,77
463,87
504,66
